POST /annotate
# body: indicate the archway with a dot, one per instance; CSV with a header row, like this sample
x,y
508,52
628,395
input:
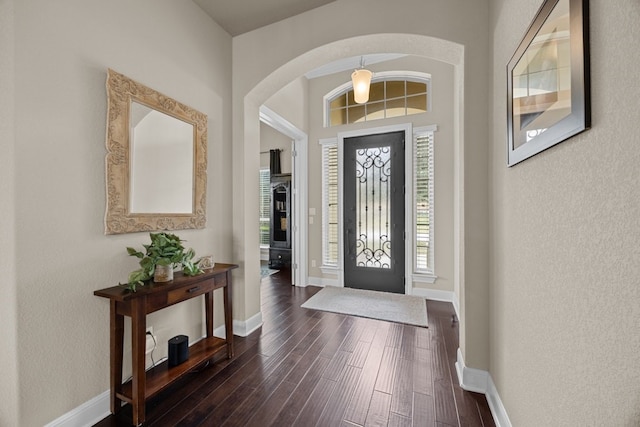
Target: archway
x,y
246,151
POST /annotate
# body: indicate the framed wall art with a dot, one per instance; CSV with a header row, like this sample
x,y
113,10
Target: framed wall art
x,y
548,93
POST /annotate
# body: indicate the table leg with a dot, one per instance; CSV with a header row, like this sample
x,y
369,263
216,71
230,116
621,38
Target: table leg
x,y
116,338
138,344
208,312
228,316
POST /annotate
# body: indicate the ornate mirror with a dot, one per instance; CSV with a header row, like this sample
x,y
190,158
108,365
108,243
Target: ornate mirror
x,y
156,160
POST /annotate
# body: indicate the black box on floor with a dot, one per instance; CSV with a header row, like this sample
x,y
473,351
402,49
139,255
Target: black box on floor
x,y
178,350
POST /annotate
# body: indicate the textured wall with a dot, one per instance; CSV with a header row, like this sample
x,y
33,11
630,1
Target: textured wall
x,y
9,390
565,271
63,50
271,139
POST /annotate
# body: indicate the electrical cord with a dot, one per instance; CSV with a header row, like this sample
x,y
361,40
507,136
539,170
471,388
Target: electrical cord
x,y
155,344
153,363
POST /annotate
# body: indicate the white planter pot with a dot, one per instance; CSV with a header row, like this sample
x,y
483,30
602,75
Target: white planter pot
x,y
163,273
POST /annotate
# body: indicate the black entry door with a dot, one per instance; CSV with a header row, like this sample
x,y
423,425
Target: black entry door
x,y
374,251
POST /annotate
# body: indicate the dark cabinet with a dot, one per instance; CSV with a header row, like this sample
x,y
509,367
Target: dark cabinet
x,y
280,230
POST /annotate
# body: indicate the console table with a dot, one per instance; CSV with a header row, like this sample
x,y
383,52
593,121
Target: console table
x,y
153,297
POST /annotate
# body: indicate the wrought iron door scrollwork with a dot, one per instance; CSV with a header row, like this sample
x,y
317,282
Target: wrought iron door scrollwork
x,y
373,180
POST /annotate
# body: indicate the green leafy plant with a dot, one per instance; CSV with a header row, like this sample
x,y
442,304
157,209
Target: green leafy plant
x,y
165,249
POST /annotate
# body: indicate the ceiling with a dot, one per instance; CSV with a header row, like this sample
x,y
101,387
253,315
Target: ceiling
x,y
241,16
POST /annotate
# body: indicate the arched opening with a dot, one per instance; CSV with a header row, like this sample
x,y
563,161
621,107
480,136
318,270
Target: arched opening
x,y
246,152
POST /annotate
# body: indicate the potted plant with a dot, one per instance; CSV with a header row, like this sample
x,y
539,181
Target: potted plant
x,y
165,253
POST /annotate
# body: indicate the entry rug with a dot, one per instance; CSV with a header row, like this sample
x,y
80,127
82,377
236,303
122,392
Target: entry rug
x,y
391,307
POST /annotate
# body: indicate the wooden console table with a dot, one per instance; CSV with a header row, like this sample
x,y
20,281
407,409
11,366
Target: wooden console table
x,y
153,297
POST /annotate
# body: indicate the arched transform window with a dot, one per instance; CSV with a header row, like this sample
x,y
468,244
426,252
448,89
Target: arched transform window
x,y
392,94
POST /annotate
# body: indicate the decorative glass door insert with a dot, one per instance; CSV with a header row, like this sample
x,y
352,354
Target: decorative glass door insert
x,y
373,207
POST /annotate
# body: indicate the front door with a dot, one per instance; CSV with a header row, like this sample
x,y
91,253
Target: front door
x,y
373,198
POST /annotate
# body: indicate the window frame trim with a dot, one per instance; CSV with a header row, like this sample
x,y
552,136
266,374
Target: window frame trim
x,y
327,142
424,275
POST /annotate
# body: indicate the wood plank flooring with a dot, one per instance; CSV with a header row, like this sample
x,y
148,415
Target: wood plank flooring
x,y
312,368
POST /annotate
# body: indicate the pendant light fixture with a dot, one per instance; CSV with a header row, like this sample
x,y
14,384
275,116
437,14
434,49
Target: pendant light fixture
x,y
361,80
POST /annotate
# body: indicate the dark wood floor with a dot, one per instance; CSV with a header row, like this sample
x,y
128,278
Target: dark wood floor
x,y
312,368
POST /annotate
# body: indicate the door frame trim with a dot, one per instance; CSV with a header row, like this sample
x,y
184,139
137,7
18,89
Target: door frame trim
x,y
299,180
408,156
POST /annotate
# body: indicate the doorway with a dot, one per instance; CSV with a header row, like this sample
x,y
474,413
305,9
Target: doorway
x,y
298,180
374,212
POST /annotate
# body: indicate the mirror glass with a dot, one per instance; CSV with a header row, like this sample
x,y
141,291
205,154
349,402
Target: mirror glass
x,y
156,162
158,139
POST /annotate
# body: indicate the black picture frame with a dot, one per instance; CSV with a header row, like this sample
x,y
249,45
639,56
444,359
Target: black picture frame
x,y
548,81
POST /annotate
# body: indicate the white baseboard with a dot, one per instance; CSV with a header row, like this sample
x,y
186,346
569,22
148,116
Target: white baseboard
x,y
242,328
249,325
471,379
495,404
87,414
321,281
480,381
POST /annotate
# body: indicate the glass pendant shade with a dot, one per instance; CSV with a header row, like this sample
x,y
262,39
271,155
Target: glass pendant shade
x,y
361,81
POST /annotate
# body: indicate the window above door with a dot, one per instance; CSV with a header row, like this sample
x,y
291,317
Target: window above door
x,y
392,94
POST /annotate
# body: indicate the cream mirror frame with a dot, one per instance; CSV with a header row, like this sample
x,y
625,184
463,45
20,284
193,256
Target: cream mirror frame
x,y
122,93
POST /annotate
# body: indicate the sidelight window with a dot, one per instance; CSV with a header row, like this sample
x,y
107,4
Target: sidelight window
x,y
330,203
423,205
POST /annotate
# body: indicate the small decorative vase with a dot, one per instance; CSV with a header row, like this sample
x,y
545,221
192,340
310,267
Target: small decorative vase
x,y
163,273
